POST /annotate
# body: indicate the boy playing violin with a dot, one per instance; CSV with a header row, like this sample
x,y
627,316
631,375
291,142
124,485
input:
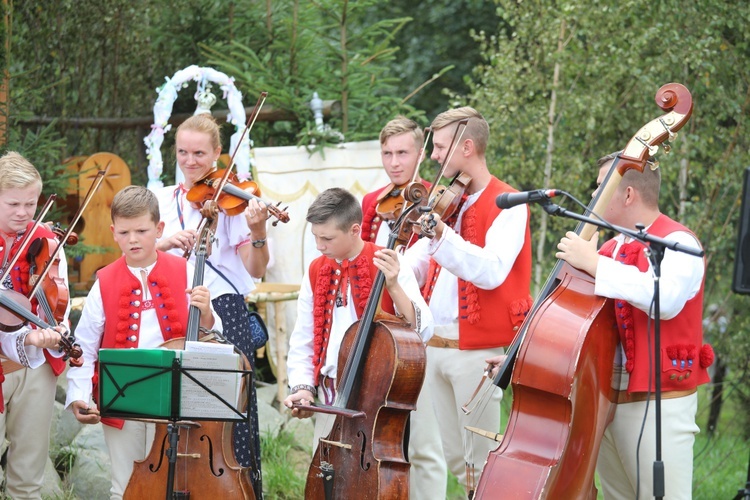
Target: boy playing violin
x,y
31,359
140,300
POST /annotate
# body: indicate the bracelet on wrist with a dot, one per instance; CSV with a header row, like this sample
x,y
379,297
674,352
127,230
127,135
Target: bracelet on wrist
x,y
304,387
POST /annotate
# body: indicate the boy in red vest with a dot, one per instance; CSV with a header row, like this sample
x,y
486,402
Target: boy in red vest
x,y
623,273
333,295
476,272
401,141
140,300
28,395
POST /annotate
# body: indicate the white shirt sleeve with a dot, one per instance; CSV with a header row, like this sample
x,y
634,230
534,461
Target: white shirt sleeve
x,y
681,278
407,280
485,267
299,358
11,345
88,334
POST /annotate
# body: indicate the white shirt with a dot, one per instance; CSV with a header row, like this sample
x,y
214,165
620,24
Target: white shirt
x,y
485,267
681,278
299,361
231,234
90,331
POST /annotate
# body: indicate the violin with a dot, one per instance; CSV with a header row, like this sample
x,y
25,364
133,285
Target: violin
x,y
444,201
234,195
15,308
53,295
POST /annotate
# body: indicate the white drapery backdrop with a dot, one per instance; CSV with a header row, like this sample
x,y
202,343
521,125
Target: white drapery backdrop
x,y
295,177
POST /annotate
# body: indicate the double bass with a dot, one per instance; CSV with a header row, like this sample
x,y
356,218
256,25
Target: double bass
x,y
203,453
563,395
381,367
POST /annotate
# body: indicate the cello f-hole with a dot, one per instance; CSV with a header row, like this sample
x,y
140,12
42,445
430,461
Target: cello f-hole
x,y
207,439
363,446
161,456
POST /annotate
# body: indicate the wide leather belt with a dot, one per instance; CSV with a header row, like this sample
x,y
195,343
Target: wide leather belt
x,y
635,397
438,341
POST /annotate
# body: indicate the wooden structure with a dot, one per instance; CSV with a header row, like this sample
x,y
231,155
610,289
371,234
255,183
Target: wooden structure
x,y
93,228
276,294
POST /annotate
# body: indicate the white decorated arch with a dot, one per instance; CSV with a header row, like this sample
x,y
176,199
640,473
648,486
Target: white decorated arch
x,y
163,110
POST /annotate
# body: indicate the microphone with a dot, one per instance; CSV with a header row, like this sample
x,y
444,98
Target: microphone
x,y
510,200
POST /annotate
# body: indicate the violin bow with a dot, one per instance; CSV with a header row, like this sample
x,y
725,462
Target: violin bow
x,y
225,178
457,135
92,191
27,236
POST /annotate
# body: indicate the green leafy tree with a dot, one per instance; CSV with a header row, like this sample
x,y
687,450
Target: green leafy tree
x,y
567,82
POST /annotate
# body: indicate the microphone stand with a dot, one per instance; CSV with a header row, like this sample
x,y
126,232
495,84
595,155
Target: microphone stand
x,y
655,252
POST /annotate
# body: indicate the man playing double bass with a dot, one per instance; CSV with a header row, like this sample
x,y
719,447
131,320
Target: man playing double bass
x,y
476,272
623,273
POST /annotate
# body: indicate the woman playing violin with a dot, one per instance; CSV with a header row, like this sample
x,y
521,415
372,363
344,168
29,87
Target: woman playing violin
x,y
239,256
28,394
476,272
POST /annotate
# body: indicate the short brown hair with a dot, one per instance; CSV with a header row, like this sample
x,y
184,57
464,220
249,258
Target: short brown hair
x,y
477,128
402,125
647,183
205,124
335,204
16,172
134,201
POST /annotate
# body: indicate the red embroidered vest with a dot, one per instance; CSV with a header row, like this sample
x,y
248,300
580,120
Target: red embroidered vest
x,y
371,221
684,357
122,304
489,318
326,279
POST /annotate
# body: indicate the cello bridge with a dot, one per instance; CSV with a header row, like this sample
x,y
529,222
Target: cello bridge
x,y
188,455
337,444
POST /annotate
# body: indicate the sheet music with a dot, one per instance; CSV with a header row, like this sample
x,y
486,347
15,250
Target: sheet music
x,y
195,401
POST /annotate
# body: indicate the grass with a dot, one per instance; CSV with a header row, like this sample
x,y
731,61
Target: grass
x,y
720,463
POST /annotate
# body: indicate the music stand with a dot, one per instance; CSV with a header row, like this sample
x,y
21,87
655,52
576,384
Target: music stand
x,y
175,374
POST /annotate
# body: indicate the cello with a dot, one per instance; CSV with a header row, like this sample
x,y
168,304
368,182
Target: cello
x,y
204,464
381,367
563,395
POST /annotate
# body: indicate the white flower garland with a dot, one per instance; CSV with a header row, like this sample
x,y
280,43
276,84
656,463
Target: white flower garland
x,y
163,110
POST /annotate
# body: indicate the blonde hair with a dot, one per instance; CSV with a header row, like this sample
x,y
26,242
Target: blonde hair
x,y
134,201
203,123
477,128
647,183
16,172
402,125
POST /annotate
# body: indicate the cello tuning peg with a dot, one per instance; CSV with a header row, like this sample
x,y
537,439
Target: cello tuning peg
x,y
667,147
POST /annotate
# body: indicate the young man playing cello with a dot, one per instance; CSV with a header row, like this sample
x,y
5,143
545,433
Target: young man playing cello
x,y
476,272
343,271
623,273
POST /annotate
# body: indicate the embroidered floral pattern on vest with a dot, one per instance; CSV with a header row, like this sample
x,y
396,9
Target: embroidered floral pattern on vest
x,y
332,279
468,298
370,223
628,255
